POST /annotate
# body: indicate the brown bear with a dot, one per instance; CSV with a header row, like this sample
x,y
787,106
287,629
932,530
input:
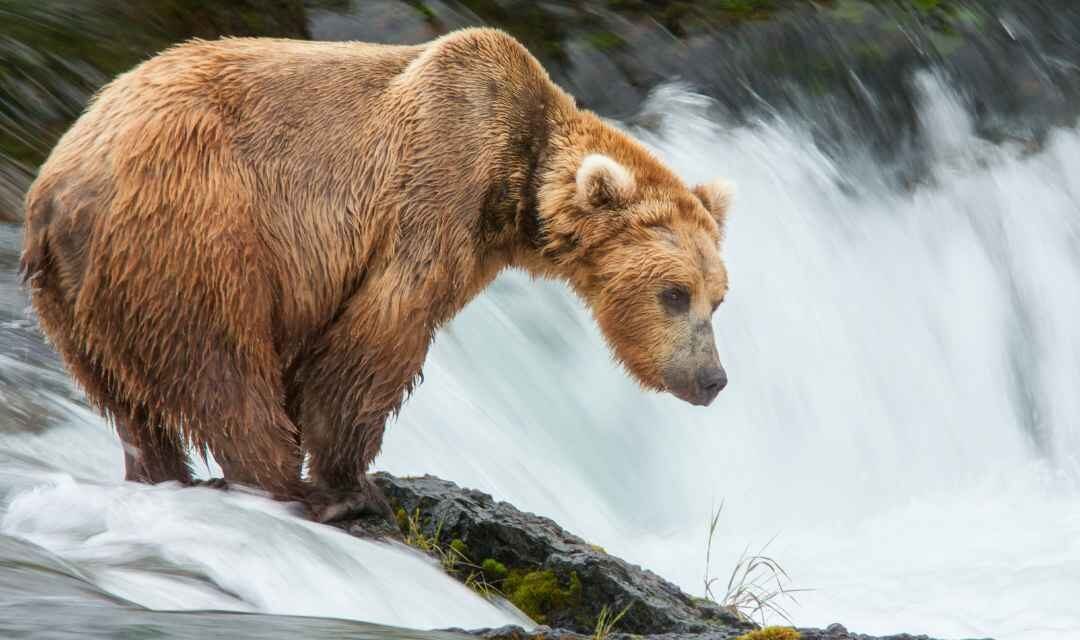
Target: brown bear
x,y
246,245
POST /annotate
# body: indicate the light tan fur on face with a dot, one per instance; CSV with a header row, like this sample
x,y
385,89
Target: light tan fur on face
x,y
246,245
716,196
628,253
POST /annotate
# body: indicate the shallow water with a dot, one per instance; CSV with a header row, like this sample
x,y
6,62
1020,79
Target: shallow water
x,y
901,418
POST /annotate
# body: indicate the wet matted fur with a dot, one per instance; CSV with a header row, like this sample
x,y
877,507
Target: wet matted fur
x,y
247,245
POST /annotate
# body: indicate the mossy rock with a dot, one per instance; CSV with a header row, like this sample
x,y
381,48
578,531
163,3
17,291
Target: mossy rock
x,y
402,520
771,633
493,570
552,576
540,593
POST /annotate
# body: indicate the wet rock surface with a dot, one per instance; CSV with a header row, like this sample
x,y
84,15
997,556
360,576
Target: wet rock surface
x,y
541,552
838,632
832,632
490,531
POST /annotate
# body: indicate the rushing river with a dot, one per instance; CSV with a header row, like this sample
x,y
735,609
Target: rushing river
x,y
903,417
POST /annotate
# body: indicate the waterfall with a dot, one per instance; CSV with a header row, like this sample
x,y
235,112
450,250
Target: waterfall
x,y
901,418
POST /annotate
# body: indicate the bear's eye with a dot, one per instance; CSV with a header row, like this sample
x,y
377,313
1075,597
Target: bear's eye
x,y
676,299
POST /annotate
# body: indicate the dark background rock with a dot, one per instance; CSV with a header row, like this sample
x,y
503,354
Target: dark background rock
x,y
54,54
847,66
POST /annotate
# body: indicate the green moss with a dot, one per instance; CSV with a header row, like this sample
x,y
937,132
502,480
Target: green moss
x,y
424,10
771,633
745,6
946,43
539,593
540,30
605,40
493,569
458,545
852,10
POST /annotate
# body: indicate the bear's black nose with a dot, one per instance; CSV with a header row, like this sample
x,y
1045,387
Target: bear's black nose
x,y
710,382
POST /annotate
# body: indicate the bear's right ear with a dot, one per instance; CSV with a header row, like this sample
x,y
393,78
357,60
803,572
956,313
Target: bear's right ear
x,y
603,183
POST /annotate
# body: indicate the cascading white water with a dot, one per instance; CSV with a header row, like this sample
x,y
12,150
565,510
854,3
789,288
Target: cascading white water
x,y
901,413
173,549
901,410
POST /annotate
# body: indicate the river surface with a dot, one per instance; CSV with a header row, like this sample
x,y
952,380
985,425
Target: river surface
x,y
902,421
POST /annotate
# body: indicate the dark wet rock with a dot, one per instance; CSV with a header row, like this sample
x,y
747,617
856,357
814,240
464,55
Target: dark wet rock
x,y
489,531
511,632
536,551
832,632
838,632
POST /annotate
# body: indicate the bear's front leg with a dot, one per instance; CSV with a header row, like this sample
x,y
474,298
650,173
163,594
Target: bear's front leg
x,y
340,455
341,447
356,501
344,388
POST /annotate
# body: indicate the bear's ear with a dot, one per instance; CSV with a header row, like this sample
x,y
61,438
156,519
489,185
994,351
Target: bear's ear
x,y
603,183
716,196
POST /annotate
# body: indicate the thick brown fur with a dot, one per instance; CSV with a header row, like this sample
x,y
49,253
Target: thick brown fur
x,y
246,245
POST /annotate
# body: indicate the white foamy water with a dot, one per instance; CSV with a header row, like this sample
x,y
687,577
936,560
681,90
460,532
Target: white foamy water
x,y
172,548
902,414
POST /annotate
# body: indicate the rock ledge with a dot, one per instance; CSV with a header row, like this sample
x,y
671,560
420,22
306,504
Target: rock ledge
x,y
557,578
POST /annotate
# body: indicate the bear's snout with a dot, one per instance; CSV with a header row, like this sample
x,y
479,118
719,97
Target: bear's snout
x,y
694,373
710,382
697,385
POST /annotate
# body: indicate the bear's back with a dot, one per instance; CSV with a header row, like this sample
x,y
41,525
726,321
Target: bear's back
x,y
315,155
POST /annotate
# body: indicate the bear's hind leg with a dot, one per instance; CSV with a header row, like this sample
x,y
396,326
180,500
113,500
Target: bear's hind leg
x,y
258,452
152,454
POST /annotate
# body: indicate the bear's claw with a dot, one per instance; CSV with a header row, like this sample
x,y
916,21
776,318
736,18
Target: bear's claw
x,y
212,483
360,502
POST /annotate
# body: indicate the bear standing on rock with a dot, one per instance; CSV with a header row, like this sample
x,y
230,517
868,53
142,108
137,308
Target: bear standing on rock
x,y
247,245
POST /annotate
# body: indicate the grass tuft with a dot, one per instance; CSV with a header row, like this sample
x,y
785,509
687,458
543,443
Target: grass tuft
x,y
453,557
757,588
606,621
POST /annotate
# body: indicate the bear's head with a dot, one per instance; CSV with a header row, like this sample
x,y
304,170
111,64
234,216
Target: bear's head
x,y
642,250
